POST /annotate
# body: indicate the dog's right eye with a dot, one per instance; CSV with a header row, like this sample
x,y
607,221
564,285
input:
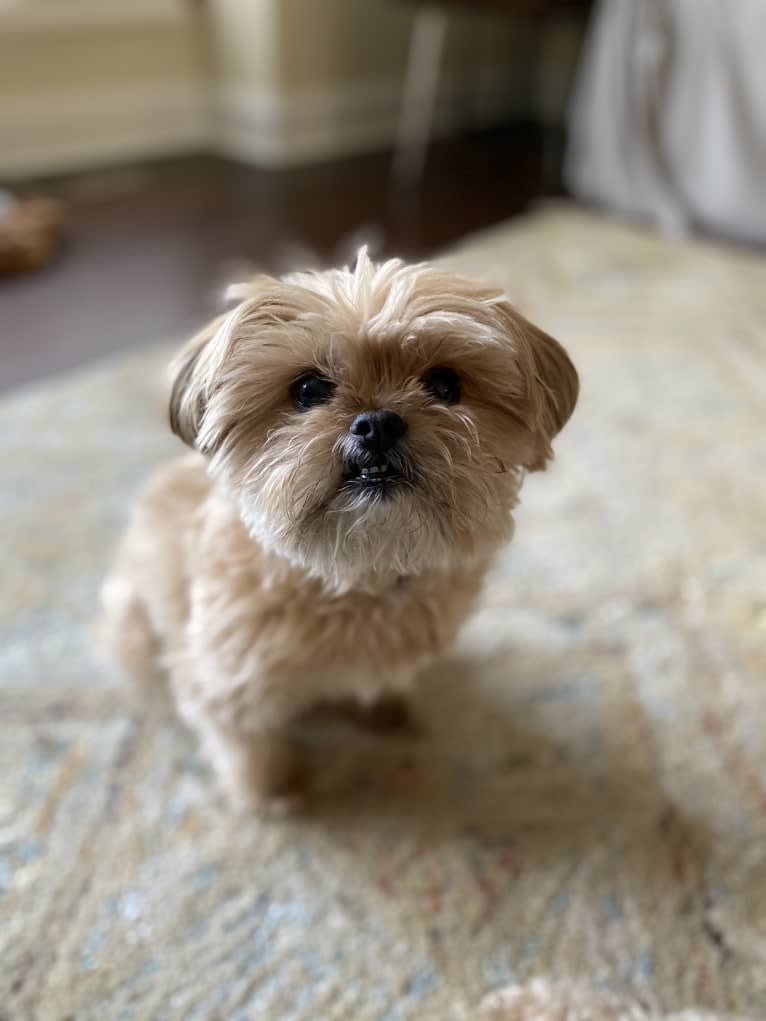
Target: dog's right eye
x,y
442,384
310,390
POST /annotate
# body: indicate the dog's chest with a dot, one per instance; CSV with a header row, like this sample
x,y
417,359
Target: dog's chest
x,y
410,622
262,615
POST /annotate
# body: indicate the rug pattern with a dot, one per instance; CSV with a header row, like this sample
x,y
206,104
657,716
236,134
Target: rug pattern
x,y
589,800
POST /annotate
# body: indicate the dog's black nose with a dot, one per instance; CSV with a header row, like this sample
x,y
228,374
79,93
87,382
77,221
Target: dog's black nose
x,y
378,430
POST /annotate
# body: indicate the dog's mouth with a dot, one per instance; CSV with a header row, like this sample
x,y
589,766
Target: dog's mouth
x,y
373,474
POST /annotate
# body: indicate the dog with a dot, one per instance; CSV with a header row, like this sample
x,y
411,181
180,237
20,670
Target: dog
x,y
359,439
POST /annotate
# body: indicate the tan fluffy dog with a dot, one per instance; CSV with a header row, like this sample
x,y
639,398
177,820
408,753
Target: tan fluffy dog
x,y
360,437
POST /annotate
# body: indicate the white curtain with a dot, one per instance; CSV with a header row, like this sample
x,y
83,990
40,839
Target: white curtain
x,y
669,115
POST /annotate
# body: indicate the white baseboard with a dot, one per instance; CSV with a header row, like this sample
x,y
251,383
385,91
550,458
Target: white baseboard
x,y
55,134
303,127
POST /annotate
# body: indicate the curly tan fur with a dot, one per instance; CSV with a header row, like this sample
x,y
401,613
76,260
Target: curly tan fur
x,y
262,580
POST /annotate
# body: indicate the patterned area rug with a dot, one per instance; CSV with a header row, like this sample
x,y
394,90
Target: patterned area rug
x,y
589,801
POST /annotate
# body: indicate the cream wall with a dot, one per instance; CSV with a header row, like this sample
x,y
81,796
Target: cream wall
x,y
273,82
243,37
333,85
355,40
77,95
341,40
42,63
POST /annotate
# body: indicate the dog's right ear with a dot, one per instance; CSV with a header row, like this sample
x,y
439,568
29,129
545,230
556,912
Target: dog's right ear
x,y
264,305
189,384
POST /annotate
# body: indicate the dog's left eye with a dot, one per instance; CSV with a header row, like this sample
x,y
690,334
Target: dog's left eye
x,y
310,390
443,384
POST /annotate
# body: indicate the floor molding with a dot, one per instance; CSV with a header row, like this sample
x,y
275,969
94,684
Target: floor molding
x,y
54,134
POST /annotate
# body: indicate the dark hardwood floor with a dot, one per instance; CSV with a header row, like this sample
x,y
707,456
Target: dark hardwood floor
x,y
148,247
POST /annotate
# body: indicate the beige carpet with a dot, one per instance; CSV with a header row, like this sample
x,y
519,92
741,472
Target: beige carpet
x,y
590,800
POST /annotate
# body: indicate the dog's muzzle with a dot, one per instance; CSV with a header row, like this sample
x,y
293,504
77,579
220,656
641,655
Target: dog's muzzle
x,y
374,472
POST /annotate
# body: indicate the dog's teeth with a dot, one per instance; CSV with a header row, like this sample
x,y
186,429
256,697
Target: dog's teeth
x,y
373,471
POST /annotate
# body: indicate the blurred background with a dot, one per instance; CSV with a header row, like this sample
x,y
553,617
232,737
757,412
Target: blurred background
x,y
588,800
150,149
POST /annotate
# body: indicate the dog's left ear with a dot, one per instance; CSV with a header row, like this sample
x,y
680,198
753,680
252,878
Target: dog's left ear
x,y
549,382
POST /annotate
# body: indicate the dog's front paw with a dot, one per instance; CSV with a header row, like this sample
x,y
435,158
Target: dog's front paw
x,y
267,776
391,714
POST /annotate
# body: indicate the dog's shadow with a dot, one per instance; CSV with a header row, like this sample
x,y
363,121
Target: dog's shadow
x,y
492,761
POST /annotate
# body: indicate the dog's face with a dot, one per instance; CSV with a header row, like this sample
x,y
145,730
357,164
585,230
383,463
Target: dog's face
x,y
373,422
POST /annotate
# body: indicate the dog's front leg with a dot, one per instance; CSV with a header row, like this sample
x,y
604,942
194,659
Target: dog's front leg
x,y
257,770
239,703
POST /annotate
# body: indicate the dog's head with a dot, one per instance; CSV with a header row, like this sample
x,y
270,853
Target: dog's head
x,y
375,421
